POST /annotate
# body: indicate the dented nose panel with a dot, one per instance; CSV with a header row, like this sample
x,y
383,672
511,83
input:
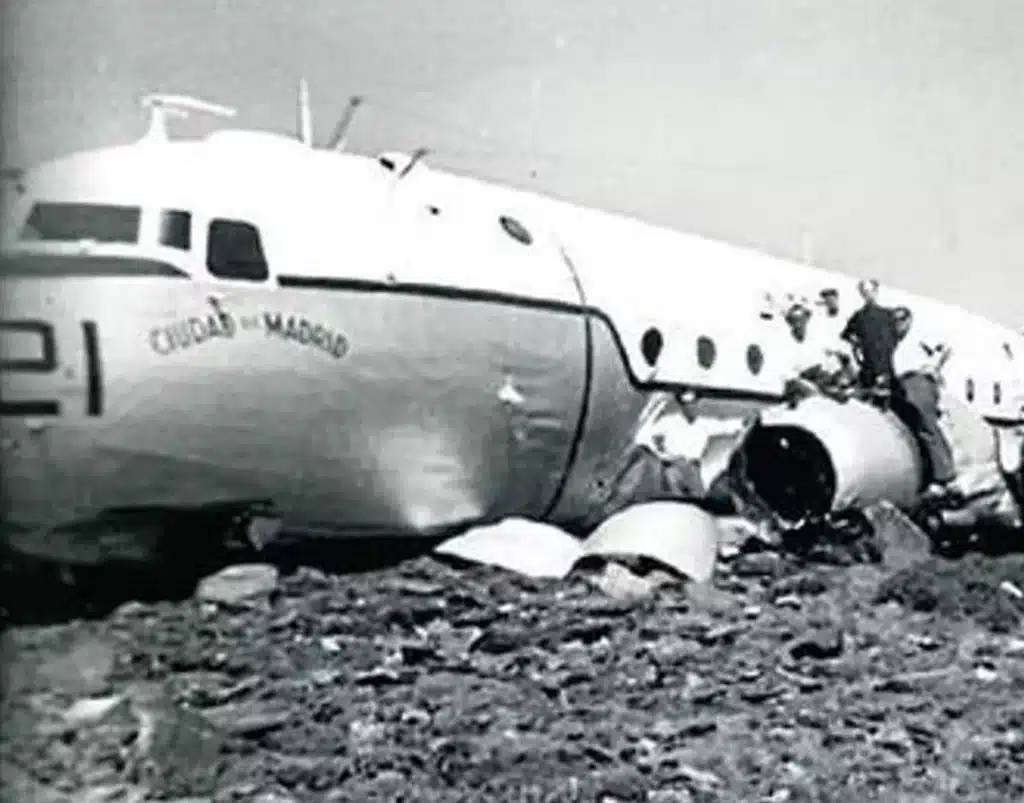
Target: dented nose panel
x,y
356,408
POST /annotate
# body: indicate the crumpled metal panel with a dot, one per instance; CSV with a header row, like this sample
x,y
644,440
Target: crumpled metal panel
x,y
677,534
985,457
519,545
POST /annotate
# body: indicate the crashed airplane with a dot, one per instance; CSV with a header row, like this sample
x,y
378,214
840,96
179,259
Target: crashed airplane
x,y
372,346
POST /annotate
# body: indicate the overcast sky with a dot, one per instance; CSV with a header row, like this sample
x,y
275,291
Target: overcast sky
x,y
889,132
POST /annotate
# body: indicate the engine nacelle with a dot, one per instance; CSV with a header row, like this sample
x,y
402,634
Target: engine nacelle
x,y
822,456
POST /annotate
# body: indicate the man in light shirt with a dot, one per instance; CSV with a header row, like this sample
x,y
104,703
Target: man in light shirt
x,y
827,330
813,358
830,301
918,367
682,434
675,435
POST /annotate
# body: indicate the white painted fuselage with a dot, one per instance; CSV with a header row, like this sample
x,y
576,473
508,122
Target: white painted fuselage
x,y
376,352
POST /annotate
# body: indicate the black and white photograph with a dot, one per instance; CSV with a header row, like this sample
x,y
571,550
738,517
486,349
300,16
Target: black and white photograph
x,y
513,401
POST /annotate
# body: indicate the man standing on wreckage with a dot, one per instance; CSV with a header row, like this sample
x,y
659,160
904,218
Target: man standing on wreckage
x,y
673,443
872,332
808,461
918,368
904,373
670,453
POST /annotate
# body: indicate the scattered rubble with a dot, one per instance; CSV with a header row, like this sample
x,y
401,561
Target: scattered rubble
x,y
238,585
974,587
430,681
819,644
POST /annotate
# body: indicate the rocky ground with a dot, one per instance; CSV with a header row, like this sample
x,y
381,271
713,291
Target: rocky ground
x,y
783,681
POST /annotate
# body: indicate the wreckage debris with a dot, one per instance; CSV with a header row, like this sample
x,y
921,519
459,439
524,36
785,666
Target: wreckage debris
x,y
238,584
528,547
899,542
681,536
299,685
968,588
758,564
515,685
820,644
630,555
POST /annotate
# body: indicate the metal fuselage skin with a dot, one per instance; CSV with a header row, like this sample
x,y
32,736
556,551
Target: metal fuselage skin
x,y
424,352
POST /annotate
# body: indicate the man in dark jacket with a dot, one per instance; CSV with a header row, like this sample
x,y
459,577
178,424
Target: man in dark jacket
x,y
872,332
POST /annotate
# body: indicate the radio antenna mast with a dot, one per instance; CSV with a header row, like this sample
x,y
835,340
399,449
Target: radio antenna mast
x,y
161,107
339,138
305,113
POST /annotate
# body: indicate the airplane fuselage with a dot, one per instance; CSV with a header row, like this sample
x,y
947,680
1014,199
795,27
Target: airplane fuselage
x,y
244,317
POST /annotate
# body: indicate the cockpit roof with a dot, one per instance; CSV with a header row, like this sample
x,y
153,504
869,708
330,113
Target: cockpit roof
x,y
228,166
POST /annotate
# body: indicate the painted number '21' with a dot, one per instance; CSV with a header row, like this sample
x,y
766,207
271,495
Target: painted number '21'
x,y
47,364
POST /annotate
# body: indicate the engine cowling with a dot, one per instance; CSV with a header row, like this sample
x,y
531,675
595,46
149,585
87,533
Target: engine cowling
x,y
822,456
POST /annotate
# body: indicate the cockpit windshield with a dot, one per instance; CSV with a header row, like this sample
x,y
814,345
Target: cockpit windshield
x,y
75,222
81,266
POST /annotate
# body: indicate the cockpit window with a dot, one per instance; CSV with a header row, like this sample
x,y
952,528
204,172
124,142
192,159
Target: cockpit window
x,y
63,266
176,229
75,222
234,251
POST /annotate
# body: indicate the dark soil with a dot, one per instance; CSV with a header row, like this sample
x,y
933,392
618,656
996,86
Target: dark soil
x,y
427,682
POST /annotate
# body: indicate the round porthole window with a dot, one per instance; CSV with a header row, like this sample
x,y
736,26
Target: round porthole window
x,y
516,230
706,352
755,358
651,345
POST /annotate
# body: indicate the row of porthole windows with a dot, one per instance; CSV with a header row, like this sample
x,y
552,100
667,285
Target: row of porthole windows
x,y
997,392
707,353
652,343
